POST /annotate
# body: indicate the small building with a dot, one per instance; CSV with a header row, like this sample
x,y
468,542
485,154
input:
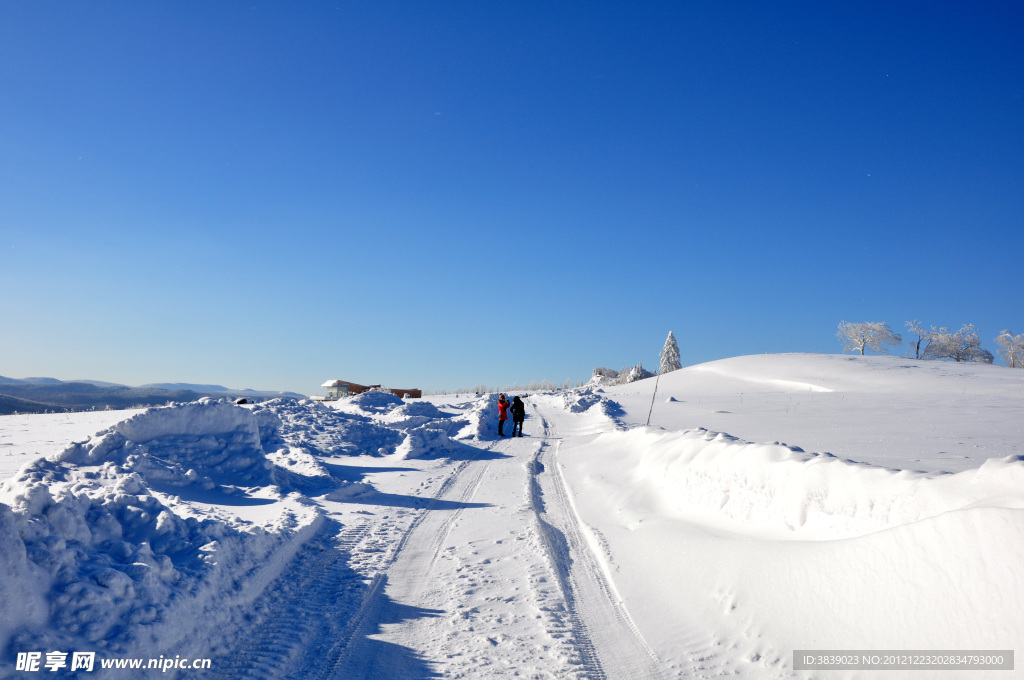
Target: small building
x,y
336,389
406,394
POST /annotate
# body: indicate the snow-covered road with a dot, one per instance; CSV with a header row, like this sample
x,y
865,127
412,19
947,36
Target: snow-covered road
x,y
377,538
494,576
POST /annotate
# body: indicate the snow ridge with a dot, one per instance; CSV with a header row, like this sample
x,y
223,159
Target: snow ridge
x,y
783,492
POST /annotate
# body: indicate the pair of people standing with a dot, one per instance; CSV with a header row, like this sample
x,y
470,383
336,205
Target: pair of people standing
x,y
518,409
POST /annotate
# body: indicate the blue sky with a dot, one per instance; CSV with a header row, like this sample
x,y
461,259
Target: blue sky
x,y
441,194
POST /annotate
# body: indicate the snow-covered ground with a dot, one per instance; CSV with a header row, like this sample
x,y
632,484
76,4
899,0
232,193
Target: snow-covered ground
x,y
25,437
376,538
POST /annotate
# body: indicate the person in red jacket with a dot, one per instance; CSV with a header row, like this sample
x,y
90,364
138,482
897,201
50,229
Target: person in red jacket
x,y
502,413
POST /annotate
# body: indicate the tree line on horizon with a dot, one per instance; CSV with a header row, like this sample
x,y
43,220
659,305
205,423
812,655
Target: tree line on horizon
x,y
936,343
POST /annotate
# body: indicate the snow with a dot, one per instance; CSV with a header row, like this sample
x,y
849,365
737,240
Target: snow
x,y
110,556
26,437
775,503
802,548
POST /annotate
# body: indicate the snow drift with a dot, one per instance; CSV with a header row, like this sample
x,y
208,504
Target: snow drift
x,y
321,430
780,549
209,443
99,552
778,491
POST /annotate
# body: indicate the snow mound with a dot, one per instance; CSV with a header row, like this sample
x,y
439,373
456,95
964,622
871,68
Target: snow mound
x,y
479,420
578,402
589,402
208,443
813,551
416,409
424,442
777,491
94,557
413,414
374,402
435,440
318,430
420,408
198,418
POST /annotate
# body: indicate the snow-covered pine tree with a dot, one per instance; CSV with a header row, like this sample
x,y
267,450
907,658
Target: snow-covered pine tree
x,y
670,355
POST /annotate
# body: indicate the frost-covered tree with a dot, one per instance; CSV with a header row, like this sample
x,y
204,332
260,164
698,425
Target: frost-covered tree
x,y
634,373
1012,350
873,335
607,376
920,337
963,345
670,355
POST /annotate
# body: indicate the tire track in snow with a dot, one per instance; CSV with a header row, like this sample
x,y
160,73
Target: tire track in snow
x,y
303,607
352,657
559,557
610,644
312,619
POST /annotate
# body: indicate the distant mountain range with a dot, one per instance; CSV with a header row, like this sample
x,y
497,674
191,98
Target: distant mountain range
x,y
41,395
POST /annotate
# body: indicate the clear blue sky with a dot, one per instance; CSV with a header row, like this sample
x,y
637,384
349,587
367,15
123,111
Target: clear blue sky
x,y
440,194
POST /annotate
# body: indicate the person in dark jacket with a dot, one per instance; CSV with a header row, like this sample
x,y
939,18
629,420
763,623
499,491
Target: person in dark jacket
x,y
518,409
502,413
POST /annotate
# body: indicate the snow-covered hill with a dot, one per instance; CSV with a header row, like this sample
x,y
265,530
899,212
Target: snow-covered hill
x,y
377,538
888,411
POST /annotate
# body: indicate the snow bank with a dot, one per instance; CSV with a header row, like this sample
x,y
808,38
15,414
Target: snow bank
x,y
413,414
426,432
430,441
322,431
371,402
580,401
481,420
476,421
418,429
208,443
780,549
421,442
586,400
773,490
592,411
96,557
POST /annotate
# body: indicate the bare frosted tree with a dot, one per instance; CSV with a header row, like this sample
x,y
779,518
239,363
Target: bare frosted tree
x,y
874,335
920,337
963,345
670,355
1012,350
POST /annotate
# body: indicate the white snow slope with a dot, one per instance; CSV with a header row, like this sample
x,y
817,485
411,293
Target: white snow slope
x,y
376,538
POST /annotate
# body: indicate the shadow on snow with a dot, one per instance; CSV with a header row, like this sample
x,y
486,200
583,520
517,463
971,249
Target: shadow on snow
x,y
394,500
315,621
